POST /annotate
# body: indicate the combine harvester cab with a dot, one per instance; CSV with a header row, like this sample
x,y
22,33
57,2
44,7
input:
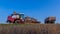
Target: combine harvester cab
x,y
19,19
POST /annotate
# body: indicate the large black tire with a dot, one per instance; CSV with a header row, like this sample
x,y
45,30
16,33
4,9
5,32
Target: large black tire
x,y
8,21
16,21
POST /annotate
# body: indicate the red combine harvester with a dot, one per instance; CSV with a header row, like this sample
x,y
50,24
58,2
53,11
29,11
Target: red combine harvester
x,y
16,18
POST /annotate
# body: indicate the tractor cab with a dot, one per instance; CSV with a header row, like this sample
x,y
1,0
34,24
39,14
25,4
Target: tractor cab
x,y
21,15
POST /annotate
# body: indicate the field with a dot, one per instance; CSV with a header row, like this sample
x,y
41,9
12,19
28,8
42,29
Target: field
x,y
29,28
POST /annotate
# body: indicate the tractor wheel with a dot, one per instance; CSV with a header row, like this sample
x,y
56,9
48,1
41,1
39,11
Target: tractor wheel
x,y
17,21
8,21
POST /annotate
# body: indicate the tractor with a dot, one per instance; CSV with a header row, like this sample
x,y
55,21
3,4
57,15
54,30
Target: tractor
x,y
17,18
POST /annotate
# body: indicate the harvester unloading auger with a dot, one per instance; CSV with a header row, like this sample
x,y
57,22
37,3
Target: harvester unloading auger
x,y
19,18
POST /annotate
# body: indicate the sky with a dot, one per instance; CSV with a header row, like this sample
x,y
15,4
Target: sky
x,y
39,9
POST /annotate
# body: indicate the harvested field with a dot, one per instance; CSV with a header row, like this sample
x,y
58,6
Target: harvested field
x,y
29,28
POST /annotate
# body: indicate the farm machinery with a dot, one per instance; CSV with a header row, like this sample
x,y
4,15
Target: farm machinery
x,y
20,18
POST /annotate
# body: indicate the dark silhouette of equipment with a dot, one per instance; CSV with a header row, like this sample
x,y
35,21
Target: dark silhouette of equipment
x,y
50,20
